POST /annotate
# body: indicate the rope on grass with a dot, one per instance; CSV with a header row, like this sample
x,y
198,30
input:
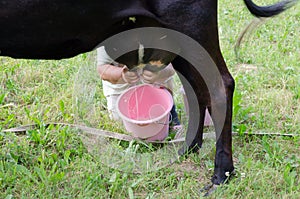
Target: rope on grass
x,y
129,160
124,137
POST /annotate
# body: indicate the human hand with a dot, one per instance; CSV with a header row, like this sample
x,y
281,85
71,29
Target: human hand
x,y
129,76
150,77
159,76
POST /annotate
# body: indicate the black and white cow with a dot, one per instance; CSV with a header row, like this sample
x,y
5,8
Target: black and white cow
x,y
56,29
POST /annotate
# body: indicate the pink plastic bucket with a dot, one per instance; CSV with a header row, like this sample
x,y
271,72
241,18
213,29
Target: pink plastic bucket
x,y
145,110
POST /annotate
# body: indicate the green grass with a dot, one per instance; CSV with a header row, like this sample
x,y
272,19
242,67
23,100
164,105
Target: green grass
x,y
56,162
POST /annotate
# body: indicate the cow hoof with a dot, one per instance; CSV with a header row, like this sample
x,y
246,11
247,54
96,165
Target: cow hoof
x,y
185,150
209,189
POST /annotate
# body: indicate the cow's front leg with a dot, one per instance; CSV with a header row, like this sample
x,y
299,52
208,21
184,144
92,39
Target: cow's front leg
x,y
194,137
197,97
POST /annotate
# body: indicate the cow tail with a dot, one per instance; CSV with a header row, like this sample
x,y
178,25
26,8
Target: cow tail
x,y
271,10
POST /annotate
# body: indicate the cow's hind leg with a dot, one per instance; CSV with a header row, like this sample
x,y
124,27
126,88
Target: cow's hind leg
x,y
217,94
223,126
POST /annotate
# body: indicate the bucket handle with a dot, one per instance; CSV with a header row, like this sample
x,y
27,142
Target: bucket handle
x,y
162,123
170,120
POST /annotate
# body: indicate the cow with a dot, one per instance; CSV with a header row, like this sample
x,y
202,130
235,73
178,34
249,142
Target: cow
x,y
57,29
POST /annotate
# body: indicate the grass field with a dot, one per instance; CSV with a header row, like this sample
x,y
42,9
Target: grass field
x,y
55,162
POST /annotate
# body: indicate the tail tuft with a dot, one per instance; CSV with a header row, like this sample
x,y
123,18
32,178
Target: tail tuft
x,y
271,10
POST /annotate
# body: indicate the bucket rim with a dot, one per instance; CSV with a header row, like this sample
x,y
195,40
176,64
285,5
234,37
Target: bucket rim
x,y
144,121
